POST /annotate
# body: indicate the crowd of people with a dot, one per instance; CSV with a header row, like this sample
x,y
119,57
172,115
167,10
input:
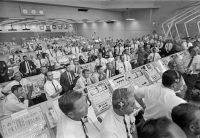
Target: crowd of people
x,y
165,113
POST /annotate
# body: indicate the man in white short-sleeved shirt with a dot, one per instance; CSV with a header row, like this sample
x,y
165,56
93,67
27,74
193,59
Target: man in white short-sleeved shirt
x,y
159,99
52,87
18,81
101,61
119,121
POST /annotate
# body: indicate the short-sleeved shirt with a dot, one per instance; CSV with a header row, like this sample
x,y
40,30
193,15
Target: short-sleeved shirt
x,y
159,100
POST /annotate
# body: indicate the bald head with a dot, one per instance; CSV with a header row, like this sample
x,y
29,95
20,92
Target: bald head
x,y
123,101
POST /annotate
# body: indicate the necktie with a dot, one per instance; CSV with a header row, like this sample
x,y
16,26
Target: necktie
x,y
110,75
126,127
40,63
84,129
154,56
100,62
190,63
75,50
50,52
124,66
13,57
49,61
75,69
70,78
29,69
54,86
86,84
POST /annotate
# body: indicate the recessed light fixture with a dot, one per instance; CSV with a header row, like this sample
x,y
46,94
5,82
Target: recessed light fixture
x,y
16,18
130,19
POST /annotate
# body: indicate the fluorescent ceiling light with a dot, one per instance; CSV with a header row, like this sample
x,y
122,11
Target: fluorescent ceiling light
x,y
16,18
90,21
130,19
114,20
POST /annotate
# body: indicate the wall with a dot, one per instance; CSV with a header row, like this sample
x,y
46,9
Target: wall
x,y
146,21
122,28
33,28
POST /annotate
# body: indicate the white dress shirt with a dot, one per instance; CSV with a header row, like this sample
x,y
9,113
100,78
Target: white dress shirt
x,y
195,64
23,82
101,62
82,83
75,50
68,128
37,63
124,66
11,104
153,57
113,125
159,100
49,88
127,57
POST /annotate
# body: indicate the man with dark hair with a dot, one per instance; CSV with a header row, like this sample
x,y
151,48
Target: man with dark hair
x,y
84,80
67,79
99,75
119,122
75,109
123,65
39,62
12,102
100,61
187,116
52,87
110,71
160,98
3,72
160,128
192,71
27,67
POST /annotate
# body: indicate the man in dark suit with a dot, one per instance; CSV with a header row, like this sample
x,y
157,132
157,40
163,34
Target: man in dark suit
x,y
27,67
67,79
109,71
3,72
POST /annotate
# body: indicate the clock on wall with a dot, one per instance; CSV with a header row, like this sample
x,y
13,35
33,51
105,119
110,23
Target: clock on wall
x,y
25,11
33,11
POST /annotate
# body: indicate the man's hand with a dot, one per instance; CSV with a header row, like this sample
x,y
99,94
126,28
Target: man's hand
x,y
25,96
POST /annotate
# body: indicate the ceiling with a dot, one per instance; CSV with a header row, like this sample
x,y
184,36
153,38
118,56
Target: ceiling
x,y
113,5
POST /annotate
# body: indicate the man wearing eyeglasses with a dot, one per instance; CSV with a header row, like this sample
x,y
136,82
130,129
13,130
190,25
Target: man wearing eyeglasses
x,y
73,122
119,121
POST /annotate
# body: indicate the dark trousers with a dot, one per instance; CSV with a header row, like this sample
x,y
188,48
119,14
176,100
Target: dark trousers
x,y
4,78
190,81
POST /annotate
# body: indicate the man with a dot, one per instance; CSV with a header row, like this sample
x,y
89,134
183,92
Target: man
x,y
91,57
115,64
110,71
126,55
82,60
154,55
12,102
193,69
119,120
42,75
39,62
102,50
50,51
187,116
142,56
84,80
133,58
75,67
160,98
161,128
3,72
99,75
101,61
51,62
71,124
18,81
124,66
27,67
52,87
67,79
